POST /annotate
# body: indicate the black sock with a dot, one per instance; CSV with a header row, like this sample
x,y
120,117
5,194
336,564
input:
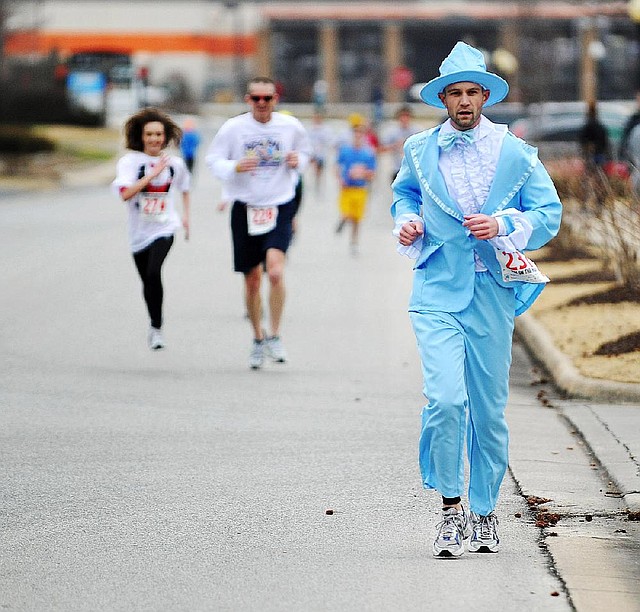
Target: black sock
x,y
450,501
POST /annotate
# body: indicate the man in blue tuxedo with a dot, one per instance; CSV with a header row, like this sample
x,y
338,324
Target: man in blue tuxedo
x,y
468,200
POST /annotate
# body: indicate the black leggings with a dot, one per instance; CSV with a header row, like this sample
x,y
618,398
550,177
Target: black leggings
x,y
149,263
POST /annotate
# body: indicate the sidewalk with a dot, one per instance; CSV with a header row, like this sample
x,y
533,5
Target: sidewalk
x,y
605,413
98,175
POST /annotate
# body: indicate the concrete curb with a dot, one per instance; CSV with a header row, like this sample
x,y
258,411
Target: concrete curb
x,y
612,452
604,440
565,375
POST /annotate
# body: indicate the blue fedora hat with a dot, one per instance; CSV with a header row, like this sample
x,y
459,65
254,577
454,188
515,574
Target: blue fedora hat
x,y
464,63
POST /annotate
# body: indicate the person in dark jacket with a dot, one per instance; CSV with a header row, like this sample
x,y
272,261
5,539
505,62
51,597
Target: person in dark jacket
x,y
632,122
594,140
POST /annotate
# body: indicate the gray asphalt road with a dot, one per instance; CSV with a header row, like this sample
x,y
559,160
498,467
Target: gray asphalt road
x,y
182,480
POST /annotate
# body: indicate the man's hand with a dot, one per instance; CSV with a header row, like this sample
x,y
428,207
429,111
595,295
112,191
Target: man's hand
x,y
247,164
410,232
483,227
292,159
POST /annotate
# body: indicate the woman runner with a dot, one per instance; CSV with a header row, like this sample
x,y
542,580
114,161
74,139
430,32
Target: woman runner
x,y
147,178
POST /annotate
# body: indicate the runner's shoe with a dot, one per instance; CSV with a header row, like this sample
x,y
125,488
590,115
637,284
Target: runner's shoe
x,y
453,529
256,359
276,350
156,339
484,537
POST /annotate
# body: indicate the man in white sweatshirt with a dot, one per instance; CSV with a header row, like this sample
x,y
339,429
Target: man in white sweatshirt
x,y
259,156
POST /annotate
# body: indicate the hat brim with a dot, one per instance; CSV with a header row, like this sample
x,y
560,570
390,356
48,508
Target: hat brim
x,y
496,85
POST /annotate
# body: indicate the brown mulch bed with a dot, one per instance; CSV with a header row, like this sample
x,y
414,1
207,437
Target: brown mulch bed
x,y
624,344
614,295
566,250
556,252
594,276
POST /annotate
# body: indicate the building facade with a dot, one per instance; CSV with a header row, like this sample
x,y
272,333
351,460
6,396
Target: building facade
x,y
358,51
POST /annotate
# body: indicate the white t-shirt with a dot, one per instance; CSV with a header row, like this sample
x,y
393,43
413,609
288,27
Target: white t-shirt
x,y
152,213
322,139
396,137
273,182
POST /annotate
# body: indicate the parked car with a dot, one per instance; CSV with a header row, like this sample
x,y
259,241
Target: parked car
x,y
554,127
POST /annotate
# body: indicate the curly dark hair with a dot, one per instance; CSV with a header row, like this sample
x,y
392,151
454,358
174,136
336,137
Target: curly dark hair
x,y
135,124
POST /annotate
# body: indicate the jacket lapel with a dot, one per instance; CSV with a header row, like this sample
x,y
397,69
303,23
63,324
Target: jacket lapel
x,y
429,175
515,164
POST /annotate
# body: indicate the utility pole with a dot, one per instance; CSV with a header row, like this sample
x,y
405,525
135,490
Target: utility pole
x,y
589,71
238,47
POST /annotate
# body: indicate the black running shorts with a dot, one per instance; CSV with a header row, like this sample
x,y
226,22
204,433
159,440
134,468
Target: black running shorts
x,y
250,251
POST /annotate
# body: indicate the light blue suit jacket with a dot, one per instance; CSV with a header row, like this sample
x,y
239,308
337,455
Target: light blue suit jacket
x,y
444,271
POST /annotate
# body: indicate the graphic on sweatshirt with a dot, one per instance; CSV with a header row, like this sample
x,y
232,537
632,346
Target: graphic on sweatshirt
x,y
266,149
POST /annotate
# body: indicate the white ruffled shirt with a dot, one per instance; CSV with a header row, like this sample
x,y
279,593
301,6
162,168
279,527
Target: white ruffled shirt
x,y
468,172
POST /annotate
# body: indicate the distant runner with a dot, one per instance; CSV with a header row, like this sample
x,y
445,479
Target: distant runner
x,y
147,179
260,156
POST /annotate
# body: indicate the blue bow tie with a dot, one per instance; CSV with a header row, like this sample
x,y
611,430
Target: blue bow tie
x,y
446,140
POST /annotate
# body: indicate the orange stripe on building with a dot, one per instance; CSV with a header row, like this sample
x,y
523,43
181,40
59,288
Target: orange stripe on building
x,y
42,42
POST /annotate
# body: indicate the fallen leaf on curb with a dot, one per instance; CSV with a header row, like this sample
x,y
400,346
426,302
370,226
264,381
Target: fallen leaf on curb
x,y
544,519
532,500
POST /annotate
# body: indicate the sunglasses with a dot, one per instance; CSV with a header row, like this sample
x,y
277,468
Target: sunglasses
x,y
258,98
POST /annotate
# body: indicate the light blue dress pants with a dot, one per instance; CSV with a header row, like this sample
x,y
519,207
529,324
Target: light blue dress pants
x,y
465,363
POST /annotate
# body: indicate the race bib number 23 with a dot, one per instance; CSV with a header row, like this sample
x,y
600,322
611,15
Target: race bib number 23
x,y
516,267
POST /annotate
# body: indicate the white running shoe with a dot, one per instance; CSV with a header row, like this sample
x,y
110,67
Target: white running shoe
x,y
453,530
256,358
276,349
484,537
156,339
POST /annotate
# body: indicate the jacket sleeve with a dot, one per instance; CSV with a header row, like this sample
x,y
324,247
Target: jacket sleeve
x,y
407,197
541,205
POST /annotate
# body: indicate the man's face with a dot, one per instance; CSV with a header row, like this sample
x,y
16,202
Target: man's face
x,y
464,102
359,135
263,98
